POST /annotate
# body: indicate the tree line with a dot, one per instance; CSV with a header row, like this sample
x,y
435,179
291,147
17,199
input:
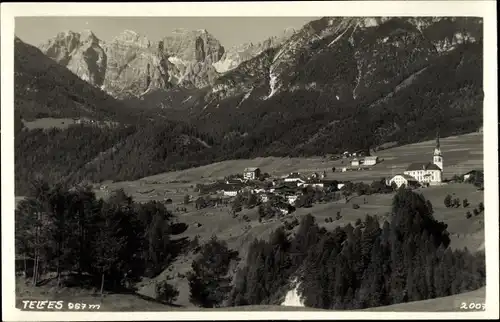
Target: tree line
x,y
369,265
115,241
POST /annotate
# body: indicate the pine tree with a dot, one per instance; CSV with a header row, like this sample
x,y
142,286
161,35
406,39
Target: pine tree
x,y
447,201
208,283
465,203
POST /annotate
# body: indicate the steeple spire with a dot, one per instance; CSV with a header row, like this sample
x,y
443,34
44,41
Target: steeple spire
x,y
438,145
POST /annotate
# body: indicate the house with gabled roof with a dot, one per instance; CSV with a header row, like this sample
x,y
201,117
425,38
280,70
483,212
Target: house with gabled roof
x,y
251,173
471,174
403,179
296,178
370,160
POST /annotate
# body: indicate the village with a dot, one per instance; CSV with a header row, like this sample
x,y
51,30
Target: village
x,y
281,195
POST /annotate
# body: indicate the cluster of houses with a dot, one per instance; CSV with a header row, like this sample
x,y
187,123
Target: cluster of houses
x,y
288,187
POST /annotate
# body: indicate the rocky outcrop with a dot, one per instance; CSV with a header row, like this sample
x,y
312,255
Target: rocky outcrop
x,y
134,66
131,64
192,53
80,53
233,57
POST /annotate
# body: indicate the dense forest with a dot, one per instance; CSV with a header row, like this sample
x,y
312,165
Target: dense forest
x,y
371,264
114,242
95,153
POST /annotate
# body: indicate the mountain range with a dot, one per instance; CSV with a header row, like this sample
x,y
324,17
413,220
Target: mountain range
x,y
131,65
335,84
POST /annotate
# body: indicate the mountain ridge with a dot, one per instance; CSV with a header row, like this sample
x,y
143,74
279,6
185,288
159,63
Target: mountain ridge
x,y
130,64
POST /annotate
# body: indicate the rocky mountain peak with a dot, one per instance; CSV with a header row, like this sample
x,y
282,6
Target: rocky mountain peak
x,y
88,37
233,57
193,45
132,38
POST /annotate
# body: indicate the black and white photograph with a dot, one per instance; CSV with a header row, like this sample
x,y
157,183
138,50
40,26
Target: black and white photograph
x,y
336,160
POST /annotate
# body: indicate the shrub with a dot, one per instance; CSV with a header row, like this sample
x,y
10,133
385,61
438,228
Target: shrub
x,y
481,207
465,203
165,292
338,215
447,201
476,212
358,222
468,215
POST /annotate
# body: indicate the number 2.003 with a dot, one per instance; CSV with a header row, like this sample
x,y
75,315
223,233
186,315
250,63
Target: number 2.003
x,y
472,306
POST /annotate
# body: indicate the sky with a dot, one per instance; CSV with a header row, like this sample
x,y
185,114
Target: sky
x,y
230,31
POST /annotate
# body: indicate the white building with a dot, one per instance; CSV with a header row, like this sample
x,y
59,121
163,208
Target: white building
x,y
355,162
471,174
232,190
317,185
263,197
403,179
427,172
292,199
230,193
251,173
295,177
371,160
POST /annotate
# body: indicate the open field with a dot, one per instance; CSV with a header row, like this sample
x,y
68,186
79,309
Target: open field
x,y
49,122
461,154
442,304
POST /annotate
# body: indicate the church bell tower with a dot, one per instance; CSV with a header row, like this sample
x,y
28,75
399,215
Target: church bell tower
x,y
438,157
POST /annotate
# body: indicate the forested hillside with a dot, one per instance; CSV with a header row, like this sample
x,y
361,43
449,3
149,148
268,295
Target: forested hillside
x,y
372,264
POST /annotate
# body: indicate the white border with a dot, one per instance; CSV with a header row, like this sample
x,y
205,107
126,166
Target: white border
x,y
485,9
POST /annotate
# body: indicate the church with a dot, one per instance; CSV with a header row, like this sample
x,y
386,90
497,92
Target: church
x,y
423,172
428,172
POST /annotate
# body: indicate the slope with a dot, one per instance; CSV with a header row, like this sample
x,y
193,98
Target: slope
x,y
43,88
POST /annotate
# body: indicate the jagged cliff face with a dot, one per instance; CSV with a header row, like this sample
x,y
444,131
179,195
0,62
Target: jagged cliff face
x,y
233,57
192,53
80,53
132,65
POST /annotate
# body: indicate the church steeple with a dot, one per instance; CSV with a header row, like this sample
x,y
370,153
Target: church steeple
x,y
438,158
438,146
